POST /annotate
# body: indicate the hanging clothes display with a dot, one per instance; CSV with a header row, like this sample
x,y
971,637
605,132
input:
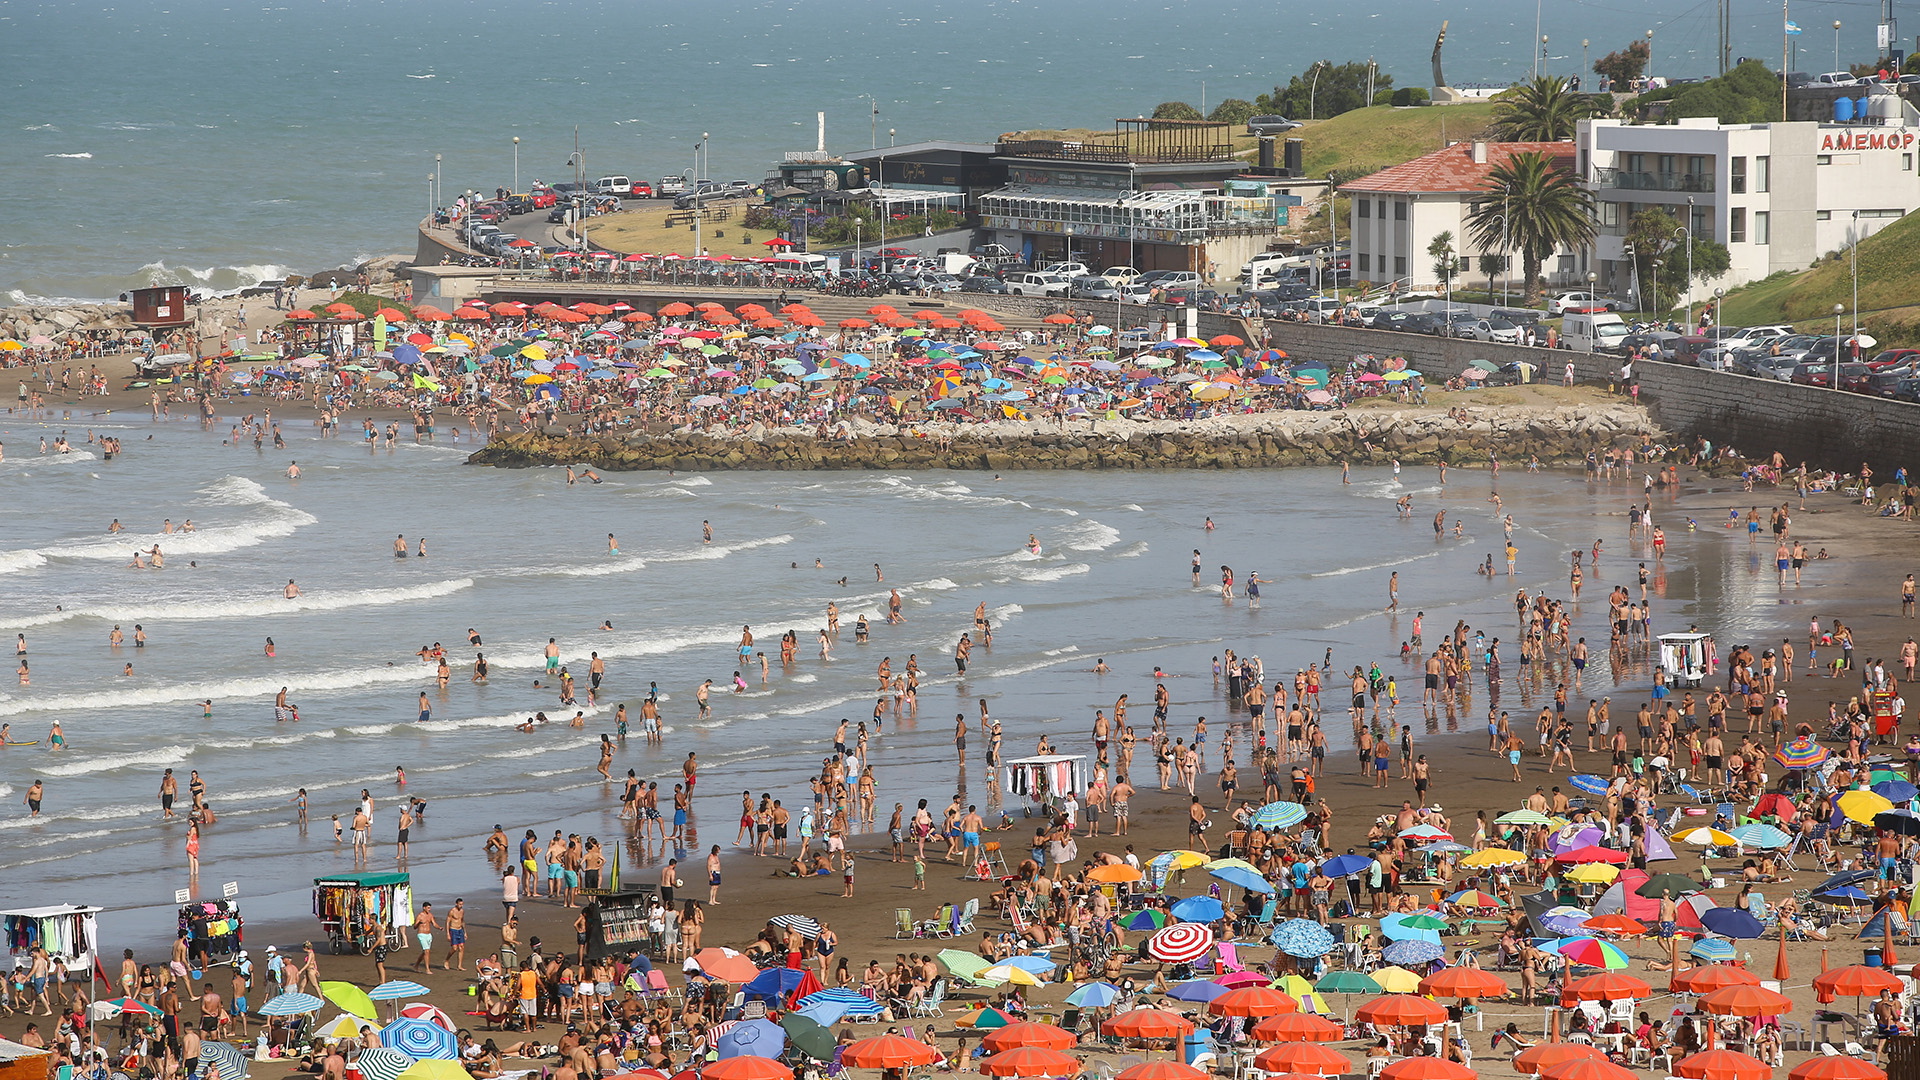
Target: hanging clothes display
x,y
1046,779
212,931
359,911
69,934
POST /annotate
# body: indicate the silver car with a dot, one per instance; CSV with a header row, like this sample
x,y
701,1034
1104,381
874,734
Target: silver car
x,y
1496,330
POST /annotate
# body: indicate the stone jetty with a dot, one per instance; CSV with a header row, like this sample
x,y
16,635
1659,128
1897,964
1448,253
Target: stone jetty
x,y
1561,434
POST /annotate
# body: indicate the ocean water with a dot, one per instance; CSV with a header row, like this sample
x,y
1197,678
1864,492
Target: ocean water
x,y
522,557
220,144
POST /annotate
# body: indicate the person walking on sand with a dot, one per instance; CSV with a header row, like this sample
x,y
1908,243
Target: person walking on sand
x,y
713,876
423,928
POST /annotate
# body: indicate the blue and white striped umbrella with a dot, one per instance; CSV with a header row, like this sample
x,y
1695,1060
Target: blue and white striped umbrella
x,y
292,1005
383,1063
1712,950
397,989
1564,921
421,1038
1412,951
1278,815
227,1058
1302,938
1094,995
1759,835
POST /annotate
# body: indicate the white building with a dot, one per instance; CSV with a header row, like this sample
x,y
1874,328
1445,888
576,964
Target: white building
x,y
1778,196
1397,212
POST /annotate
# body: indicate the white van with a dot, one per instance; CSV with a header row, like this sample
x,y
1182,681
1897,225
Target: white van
x,y
1593,332
1267,261
613,185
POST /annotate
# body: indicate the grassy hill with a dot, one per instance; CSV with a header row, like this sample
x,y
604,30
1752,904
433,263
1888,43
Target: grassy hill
x,y
1889,290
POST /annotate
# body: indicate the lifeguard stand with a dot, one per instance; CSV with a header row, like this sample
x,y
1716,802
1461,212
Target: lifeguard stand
x,y
162,309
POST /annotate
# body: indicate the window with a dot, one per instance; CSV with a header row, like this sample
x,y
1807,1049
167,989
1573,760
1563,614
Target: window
x,y
1823,215
1666,164
1823,159
1634,163
1366,262
1697,164
1737,225
1906,162
1762,227
1737,175
1762,175
1700,222
1382,208
1366,208
1400,265
1609,214
1399,210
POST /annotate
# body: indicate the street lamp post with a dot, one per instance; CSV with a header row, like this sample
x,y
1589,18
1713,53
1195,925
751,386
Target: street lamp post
x,y
1649,57
1506,245
1543,52
516,163
436,179
1719,301
1836,44
1655,305
1837,310
1583,60
1687,232
1853,256
429,200
1313,91
699,204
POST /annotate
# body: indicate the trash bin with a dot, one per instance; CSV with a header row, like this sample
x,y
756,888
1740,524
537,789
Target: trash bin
x,y
1874,958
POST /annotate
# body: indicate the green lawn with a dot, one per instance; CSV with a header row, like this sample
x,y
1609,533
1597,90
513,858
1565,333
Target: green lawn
x,y
1889,290
1366,140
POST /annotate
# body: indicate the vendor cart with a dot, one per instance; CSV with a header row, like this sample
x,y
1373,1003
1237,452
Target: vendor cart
x,y
212,930
1687,659
1886,718
361,912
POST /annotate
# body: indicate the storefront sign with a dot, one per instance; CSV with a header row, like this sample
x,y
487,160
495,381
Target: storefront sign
x,y
1865,139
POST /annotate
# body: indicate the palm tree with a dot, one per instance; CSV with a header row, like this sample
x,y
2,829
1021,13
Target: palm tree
x,y
1535,207
1543,110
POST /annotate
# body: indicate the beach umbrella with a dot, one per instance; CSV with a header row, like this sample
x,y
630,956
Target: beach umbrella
x,y
1492,858
1401,1010
1705,980
1197,990
888,1052
1474,898
1563,921
725,964
1348,982
1114,873
1607,985
1659,884
1523,817
804,926
1302,1057
1147,1024
1297,1027
1592,853
1709,837
1031,1061
1181,943
823,1013
809,1035
964,965
420,1038
291,1005
1464,983
434,1014
1903,822
1027,1033
1586,1069
1201,909
1861,806
775,982
1855,980
1396,980
1252,1001
1592,873
1161,1070
1233,980
1592,952
1146,919
351,998
1302,938
746,1067
1003,973
1278,815
131,1006
1346,865
1894,791
1094,995
1428,1068
1846,896
1412,951
760,1037
225,1057
1801,753
381,1063
1615,923
1243,878
1840,1067
1712,950
1745,1001
1732,922
1543,1055
397,989
1721,1065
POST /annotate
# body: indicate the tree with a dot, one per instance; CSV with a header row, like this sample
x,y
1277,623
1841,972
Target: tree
x,y
1235,111
1544,209
1441,248
1491,265
1176,110
1655,234
1543,110
1626,65
1749,94
1340,89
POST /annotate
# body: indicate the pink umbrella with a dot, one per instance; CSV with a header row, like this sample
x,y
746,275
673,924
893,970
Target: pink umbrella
x,y
1319,397
1243,978
1371,377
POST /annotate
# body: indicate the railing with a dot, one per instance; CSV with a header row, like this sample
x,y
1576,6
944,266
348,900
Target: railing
x,y
1112,153
1650,181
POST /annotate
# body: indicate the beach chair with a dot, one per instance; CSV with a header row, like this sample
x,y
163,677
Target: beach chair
x,y
931,1003
1070,1020
941,925
990,854
963,921
1229,958
903,926
1237,842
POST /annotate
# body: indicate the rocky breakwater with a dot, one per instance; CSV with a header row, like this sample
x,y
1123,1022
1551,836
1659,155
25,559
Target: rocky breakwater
x,y
46,320
1561,434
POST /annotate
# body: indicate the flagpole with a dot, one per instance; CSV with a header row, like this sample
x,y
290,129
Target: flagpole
x,y
1786,61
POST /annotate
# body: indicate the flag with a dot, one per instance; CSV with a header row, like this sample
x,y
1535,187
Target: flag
x,y
1793,28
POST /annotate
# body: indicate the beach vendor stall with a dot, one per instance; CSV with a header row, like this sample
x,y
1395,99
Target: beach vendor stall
x,y
69,933
1686,658
1046,780
1886,715
212,931
617,922
358,912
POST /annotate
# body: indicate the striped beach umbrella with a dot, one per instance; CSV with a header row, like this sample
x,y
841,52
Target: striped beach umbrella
x,y
1801,753
1278,815
292,1005
225,1057
397,989
805,927
1181,943
383,1063
420,1038
1712,950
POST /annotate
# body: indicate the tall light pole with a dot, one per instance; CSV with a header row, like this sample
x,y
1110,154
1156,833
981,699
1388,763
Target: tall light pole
x,y
1314,90
873,121
1543,51
1853,255
1837,310
516,163
1656,291
1583,61
1649,56
1687,232
1836,44
1506,246
698,203
436,180
429,200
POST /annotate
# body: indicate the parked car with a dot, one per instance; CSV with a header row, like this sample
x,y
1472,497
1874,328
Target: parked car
x,y
1580,302
1037,283
1491,329
984,283
1092,287
1071,270
1270,125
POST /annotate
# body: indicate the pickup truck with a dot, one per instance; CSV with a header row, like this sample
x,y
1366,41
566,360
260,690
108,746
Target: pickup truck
x,y
670,186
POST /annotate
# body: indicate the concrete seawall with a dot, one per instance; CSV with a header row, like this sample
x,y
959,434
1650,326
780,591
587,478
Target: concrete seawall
x,y
1824,428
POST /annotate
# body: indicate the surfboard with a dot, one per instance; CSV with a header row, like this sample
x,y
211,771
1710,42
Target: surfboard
x,y
11,742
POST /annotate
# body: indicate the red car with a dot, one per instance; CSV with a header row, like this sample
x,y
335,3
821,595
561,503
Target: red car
x,y
544,198
642,189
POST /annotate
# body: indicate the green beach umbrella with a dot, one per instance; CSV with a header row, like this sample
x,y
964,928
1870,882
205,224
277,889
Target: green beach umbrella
x,y
806,1033
1484,365
1677,884
764,383
1424,922
1347,982
502,351
659,373
963,964
351,998
711,350
988,1019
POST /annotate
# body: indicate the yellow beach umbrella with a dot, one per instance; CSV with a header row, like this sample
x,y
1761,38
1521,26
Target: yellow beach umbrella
x,y
1181,859
1396,980
436,1069
351,998
1223,864
536,379
1706,837
1593,873
1492,857
534,352
1008,973
10,345
344,1026
672,361
463,339
1862,805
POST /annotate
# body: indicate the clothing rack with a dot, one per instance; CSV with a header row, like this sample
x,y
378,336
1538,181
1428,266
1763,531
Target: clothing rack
x,y
1047,778
69,933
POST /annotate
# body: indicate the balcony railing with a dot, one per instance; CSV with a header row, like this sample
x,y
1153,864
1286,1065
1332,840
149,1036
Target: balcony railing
x,y
1114,154
1652,181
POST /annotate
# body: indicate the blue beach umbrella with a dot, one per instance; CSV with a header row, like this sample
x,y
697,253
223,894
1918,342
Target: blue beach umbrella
x,y
1759,835
1145,919
1094,995
774,983
397,989
1039,965
756,1038
824,1013
1731,922
1895,791
1564,921
1394,928
1412,952
420,1038
1302,938
1712,950
1242,878
1345,865
1202,909
1197,990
